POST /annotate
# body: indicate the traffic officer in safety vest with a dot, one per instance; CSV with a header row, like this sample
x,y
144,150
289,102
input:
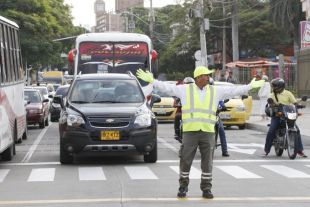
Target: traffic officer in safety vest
x,y
199,102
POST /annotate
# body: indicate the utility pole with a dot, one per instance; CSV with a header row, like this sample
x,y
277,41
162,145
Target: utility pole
x,y
203,44
224,38
234,32
151,19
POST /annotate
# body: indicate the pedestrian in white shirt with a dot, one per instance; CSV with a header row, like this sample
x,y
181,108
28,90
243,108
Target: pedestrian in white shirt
x,y
263,94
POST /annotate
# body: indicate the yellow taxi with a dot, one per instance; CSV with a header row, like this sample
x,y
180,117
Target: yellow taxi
x,y
238,109
166,109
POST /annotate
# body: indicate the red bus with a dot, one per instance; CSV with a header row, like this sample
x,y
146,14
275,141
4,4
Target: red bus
x,y
13,124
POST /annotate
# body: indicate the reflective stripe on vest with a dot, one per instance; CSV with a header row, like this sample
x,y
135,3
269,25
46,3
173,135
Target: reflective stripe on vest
x,y
197,115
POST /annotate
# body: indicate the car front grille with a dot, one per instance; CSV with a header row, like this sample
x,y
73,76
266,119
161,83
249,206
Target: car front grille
x,y
106,121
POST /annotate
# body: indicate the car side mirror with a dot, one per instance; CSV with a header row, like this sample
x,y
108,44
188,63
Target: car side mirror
x,y
244,97
58,100
155,99
46,100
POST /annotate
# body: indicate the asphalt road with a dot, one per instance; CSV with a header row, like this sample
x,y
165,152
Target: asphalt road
x,y
36,178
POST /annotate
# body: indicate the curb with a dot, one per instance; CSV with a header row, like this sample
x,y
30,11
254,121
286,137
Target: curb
x,y
261,128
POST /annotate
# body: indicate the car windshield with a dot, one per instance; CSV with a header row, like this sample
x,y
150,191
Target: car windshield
x,y
43,91
62,91
106,91
32,96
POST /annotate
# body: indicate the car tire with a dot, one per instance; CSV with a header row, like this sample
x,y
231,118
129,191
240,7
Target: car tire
x,y
25,134
152,156
42,124
46,121
65,157
8,154
242,127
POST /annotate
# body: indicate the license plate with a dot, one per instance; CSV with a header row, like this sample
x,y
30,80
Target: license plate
x,y
161,111
110,135
225,116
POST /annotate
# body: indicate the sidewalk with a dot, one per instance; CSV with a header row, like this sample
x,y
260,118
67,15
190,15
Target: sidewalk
x,y
255,120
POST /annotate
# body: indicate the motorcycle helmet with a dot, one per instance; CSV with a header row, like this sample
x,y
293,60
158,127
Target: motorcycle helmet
x,y
277,85
188,80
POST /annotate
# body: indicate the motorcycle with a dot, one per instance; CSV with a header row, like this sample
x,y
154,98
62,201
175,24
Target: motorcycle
x,y
287,133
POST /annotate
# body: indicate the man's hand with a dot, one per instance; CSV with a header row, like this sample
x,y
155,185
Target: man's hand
x,y
145,76
257,84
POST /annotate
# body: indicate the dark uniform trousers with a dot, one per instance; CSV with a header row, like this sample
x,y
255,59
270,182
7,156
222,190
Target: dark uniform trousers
x,y
206,143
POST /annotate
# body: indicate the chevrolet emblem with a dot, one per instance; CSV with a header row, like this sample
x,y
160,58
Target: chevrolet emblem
x,y
109,120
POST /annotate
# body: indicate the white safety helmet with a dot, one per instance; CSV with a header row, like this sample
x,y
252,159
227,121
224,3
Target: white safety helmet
x,y
188,80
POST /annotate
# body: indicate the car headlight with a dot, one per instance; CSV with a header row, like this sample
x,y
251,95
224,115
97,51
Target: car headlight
x,y
143,117
74,120
240,108
143,120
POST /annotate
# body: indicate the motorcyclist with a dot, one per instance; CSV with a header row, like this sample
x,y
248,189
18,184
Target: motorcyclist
x,y
285,97
178,116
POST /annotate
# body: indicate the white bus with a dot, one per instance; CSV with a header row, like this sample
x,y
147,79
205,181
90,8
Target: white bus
x,y
13,126
112,52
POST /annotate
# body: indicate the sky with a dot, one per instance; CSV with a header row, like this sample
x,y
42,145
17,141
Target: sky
x,y
83,10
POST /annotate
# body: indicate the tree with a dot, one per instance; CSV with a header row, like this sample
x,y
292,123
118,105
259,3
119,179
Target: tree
x,y
287,14
40,21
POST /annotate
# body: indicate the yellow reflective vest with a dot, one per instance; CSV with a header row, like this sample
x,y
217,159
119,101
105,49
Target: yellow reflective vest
x,y
197,115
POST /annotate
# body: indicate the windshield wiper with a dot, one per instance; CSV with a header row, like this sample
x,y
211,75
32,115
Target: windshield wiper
x,y
80,102
106,102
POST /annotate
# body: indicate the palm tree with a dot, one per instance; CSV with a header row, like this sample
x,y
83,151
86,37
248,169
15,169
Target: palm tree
x,y
287,14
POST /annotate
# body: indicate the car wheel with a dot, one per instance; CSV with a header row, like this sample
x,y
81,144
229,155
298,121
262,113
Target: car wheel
x,y
46,121
152,156
242,126
65,157
8,154
42,124
25,134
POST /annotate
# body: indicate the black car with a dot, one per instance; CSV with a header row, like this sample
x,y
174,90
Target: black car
x,y
55,108
106,114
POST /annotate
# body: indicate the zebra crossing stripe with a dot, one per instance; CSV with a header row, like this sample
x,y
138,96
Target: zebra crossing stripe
x,y
41,174
91,173
238,172
3,174
140,173
286,171
194,173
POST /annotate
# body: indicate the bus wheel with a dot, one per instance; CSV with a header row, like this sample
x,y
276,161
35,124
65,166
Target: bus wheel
x,y
25,134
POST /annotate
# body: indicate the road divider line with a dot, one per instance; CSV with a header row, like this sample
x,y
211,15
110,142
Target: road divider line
x,y
170,146
34,146
123,200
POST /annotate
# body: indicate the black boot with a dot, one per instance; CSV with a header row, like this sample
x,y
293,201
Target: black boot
x,y
182,192
207,194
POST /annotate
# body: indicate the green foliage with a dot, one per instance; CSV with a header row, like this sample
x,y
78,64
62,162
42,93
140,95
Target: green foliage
x,y
40,22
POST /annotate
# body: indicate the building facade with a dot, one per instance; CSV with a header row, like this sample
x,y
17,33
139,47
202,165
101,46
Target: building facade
x,y
123,5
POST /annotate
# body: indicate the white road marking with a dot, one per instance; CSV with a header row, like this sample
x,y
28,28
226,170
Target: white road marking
x,y
35,144
174,161
194,173
42,174
91,173
286,171
3,174
238,172
140,173
158,199
170,146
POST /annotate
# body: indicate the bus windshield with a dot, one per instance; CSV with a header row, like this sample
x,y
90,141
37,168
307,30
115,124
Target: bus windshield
x,y
106,57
